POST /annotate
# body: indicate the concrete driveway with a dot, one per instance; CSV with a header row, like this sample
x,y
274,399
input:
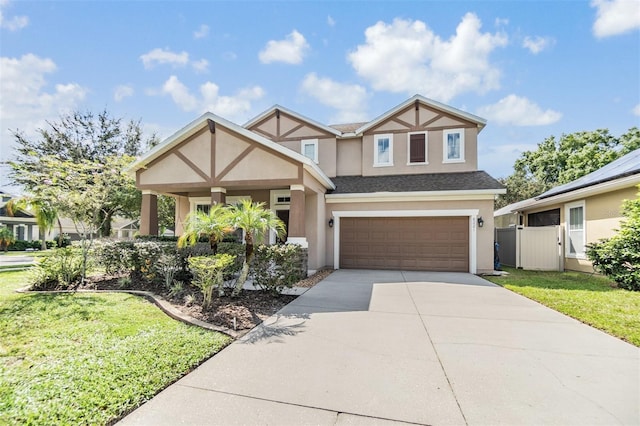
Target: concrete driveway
x,y
385,347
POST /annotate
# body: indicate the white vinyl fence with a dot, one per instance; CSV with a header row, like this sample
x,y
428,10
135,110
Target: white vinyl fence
x,y
535,248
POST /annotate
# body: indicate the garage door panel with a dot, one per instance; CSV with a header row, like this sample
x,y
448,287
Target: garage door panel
x,y
414,243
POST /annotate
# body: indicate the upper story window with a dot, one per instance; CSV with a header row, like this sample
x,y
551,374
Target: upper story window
x,y
417,148
309,148
453,146
575,229
383,150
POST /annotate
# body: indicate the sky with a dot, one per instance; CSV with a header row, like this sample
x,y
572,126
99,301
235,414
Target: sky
x,y
532,69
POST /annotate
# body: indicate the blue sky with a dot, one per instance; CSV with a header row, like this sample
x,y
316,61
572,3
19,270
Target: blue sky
x,y
533,69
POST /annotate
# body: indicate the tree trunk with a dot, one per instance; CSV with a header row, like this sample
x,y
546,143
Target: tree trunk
x,y
60,236
104,218
43,238
244,273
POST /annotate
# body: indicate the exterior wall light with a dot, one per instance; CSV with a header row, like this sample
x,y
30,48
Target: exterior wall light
x,y
480,221
331,223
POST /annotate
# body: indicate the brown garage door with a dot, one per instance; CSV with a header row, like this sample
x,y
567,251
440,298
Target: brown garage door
x,y
409,243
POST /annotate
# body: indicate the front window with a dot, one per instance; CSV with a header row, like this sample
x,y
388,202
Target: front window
x,y
383,150
204,208
575,229
453,146
310,149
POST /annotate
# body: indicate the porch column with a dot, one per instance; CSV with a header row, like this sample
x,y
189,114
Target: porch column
x,y
218,195
297,233
149,213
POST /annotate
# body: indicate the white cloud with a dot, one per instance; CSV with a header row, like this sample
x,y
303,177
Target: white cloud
x,y
13,23
636,110
200,66
27,101
501,22
290,51
407,56
615,17
537,44
122,91
201,32
348,99
164,56
518,111
330,21
234,108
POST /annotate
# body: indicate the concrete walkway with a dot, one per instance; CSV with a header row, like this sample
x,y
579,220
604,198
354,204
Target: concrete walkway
x,y
378,347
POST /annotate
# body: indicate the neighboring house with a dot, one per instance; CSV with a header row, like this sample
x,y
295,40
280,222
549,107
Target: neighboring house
x,y
121,229
21,223
588,209
400,192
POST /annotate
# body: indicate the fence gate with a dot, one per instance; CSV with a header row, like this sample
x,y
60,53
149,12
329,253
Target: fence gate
x,y
539,248
506,238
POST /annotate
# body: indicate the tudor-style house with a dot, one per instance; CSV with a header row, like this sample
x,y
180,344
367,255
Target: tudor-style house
x,y
402,191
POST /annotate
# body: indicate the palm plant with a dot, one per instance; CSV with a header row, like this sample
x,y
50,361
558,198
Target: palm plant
x,y
6,237
213,225
256,221
46,215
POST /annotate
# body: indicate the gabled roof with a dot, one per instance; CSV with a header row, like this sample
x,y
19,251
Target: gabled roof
x,y
294,114
626,165
202,121
423,182
480,122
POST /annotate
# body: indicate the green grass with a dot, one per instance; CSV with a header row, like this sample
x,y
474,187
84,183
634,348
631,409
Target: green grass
x,y
588,298
88,358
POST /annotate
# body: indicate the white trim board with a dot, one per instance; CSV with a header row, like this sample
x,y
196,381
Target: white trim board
x,y
471,213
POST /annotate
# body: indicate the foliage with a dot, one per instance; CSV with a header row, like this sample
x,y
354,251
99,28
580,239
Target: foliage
x,y
277,267
166,267
6,238
133,256
88,358
619,256
44,211
62,267
590,299
556,162
208,274
22,245
256,221
166,212
84,137
213,225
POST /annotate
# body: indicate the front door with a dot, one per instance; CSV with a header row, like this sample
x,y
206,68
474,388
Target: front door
x,y
283,215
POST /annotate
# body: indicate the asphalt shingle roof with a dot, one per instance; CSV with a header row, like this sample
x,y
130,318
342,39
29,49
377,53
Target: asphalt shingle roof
x,y
463,181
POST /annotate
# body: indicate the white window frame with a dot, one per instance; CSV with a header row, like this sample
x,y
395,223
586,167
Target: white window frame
x,y
426,151
194,202
376,138
314,142
567,214
445,146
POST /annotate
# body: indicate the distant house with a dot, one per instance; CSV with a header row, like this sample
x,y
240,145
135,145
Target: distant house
x,y
402,191
21,223
587,209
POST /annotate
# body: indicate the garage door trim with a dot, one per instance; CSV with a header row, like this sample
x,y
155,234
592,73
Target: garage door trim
x,y
472,214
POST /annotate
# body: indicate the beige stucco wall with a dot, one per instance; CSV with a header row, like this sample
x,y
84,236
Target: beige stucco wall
x,y
314,226
435,163
182,210
326,153
349,157
484,235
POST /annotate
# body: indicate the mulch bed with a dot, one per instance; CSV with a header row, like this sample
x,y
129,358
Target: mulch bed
x,y
240,313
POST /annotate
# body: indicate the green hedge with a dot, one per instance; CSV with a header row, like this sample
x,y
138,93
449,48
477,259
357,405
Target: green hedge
x,y
22,245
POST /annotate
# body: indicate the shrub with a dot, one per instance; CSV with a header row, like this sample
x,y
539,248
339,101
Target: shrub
x,y
166,268
58,268
278,266
22,245
619,256
208,274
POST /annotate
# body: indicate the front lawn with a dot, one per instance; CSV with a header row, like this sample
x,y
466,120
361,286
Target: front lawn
x,y
88,358
588,298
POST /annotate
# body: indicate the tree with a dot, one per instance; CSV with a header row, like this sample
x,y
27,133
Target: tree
x,y
556,162
78,137
6,238
255,221
213,225
45,213
79,191
619,256
166,212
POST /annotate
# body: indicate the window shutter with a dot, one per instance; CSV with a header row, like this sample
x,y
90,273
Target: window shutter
x,y
417,146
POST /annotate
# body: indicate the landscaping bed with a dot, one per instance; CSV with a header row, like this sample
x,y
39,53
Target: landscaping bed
x,y
240,313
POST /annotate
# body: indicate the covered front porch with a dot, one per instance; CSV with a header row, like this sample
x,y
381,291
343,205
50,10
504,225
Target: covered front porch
x,y
213,161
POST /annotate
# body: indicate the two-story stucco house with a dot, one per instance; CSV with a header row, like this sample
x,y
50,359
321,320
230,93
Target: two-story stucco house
x,y
399,192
